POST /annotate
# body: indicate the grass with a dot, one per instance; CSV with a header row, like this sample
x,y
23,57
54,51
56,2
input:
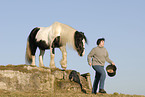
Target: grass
x,y
21,68
4,93
15,68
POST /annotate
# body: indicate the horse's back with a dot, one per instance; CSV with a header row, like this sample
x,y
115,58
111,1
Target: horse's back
x,y
43,34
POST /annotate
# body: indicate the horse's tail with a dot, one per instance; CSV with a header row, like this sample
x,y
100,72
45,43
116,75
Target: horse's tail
x,y
28,56
31,46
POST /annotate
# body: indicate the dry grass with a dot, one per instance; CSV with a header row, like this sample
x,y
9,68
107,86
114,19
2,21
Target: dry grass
x,y
21,68
15,68
4,93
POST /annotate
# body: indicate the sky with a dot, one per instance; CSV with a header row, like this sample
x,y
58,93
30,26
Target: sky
x,y
120,22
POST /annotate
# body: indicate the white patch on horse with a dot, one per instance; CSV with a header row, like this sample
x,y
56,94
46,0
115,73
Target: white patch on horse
x,y
43,34
48,34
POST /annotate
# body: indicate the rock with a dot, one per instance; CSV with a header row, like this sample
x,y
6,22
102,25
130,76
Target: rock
x,y
58,74
27,78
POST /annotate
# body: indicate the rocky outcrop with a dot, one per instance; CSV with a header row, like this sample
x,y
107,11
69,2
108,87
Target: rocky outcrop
x,y
27,78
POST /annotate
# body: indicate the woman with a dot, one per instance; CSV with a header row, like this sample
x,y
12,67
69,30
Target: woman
x,y
96,58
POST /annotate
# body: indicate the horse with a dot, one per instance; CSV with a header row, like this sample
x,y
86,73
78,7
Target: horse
x,y
56,35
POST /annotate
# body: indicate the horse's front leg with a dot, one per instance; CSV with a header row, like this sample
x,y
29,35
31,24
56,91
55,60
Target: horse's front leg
x,y
52,55
63,61
41,58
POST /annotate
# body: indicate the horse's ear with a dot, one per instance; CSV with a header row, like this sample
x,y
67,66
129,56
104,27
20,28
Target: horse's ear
x,y
85,39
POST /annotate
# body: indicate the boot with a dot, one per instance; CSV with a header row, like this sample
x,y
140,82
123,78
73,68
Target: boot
x,y
102,91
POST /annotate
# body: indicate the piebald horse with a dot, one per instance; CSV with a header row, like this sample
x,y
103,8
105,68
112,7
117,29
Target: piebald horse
x,y
55,36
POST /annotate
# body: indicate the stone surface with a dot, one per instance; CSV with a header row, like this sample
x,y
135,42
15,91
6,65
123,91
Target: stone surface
x,y
27,78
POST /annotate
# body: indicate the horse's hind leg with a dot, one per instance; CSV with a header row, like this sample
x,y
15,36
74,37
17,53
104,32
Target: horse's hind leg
x,y
52,55
63,61
41,58
33,60
33,50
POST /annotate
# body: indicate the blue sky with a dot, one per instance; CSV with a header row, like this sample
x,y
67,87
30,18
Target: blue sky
x,y
121,23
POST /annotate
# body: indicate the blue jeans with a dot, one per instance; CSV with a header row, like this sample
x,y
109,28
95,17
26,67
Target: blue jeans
x,y
99,77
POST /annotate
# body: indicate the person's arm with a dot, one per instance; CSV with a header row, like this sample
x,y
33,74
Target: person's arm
x,y
89,57
108,59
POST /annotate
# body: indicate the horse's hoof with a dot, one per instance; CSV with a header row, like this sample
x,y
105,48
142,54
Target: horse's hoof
x,y
40,65
33,65
52,66
64,69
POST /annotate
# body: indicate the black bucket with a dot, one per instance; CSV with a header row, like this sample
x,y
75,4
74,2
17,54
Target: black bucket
x,y
111,70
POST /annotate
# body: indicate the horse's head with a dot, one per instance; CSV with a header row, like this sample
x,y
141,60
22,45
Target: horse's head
x,y
80,40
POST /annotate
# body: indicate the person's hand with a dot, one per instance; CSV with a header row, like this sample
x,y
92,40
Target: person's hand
x,y
90,64
113,63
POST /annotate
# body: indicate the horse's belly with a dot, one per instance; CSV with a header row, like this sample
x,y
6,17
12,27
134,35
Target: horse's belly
x,y
43,45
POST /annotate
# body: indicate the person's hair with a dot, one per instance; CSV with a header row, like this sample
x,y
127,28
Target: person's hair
x,y
99,40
